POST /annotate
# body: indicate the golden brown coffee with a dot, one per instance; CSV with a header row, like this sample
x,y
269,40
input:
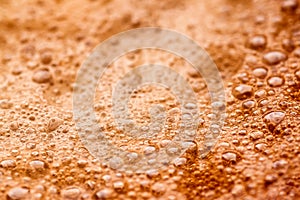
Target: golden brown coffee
x,y
256,46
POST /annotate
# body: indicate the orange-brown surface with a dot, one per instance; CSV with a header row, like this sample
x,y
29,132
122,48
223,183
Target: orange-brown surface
x,y
255,44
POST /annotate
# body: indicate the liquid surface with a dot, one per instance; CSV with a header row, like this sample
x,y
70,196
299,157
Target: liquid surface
x,y
255,44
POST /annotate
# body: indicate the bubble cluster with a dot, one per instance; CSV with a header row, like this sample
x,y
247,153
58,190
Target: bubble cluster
x,y
256,155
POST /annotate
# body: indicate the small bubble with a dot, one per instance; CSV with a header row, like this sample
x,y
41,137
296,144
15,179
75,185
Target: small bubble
x,y
279,164
32,65
17,193
17,71
256,135
242,92
30,145
274,57
118,185
260,72
218,105
261,146
42,76
104,194
116,163
289,6
297,52
132,157
288,45
297,74
149,150
82,163
272,119
158,189
37,164
230,156
8,163
71,193
54,123
31,118
5,104
260,93
173,150
238,190
270,178
190,106
106,178
275,81
46,58
164,143
248,104
179,161
257,42
152,173
14,126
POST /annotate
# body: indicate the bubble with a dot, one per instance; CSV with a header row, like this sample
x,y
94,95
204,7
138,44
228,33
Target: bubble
x,y
149,150
158,189
145,184
14,126
238,190
275,81
116,162
218,105
17,71
54,123
30,145
37,164
288,45
260,93
256,135
5,104
279,164
42,76
297,74
257,42
270,178
272,119
242,91
104,194
297,52
190,106
289,6
260,72
118,185
82,163
261,146
179,161
71,193
152,173
17,193
173,151
106,178
8,163
249,104
132,157
230,156
46,58
274,57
